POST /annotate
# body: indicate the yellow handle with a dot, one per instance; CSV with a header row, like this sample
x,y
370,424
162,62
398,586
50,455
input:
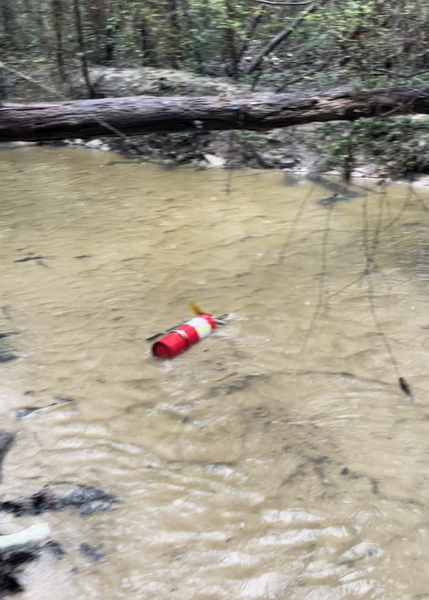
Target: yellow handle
x,y
196,309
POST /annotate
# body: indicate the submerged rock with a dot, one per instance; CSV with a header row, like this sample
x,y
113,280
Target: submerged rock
x,y
6,441
14,557
24,412
11,560
87,499
6,353
91,552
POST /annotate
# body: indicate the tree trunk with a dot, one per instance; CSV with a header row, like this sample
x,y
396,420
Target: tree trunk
x,y
230,43
146,42
57,16
175,34
250,32
8,21
82,51
141,115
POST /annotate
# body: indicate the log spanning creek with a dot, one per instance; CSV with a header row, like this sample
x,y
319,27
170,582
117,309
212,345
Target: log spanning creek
x,y
277,458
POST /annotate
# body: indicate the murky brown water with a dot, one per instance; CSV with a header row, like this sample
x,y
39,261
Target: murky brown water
x,y
246,469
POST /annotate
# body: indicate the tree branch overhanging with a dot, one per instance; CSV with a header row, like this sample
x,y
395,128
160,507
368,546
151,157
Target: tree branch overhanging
x,y
284,3
283,34
137,116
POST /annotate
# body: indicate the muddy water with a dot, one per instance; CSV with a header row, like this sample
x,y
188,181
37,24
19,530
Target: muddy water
x,y
269,461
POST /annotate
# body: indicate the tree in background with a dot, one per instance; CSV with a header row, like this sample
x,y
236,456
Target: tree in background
x,y
284,43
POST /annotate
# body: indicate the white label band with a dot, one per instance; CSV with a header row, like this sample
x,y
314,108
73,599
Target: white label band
x,y
202,326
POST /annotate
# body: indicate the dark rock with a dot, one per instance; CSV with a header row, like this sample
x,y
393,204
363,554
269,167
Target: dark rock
x,y
11,560
6,355
24,412
275,160
287,162
6,441
6,352
87,499
95,506
55,549
82,495
91,552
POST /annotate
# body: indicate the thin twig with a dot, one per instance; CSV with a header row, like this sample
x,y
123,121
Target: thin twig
x,y
294,224
377,231
322,278
399,215
370,296
284,3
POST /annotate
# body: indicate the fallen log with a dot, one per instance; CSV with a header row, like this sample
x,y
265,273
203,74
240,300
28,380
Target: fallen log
x,y
142,115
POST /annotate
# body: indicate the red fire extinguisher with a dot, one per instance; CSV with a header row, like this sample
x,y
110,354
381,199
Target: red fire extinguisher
x,y
184,335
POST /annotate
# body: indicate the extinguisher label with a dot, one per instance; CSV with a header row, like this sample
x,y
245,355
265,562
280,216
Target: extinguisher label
x,y
202,326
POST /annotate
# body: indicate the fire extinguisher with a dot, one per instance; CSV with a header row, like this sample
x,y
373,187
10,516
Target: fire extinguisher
x,y
184,335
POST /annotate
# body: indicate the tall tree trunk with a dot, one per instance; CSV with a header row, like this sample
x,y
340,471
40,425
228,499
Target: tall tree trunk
x,y
195,51
57,16
81,44
250,32
146,42
231,51
8,20
175,34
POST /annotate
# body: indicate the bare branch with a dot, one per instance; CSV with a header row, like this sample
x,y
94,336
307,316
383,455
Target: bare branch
x,y
283,34
283,3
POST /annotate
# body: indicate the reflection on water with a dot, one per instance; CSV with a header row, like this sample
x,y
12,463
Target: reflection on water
x,y
246,469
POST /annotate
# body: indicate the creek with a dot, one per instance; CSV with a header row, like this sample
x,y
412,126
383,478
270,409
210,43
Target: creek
x,y
277,458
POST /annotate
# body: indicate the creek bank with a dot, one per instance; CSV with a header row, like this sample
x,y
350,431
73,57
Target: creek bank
x,y
6,441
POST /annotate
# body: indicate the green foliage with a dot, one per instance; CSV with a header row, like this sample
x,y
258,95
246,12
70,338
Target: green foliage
x,y
347,39
250,141
400,145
